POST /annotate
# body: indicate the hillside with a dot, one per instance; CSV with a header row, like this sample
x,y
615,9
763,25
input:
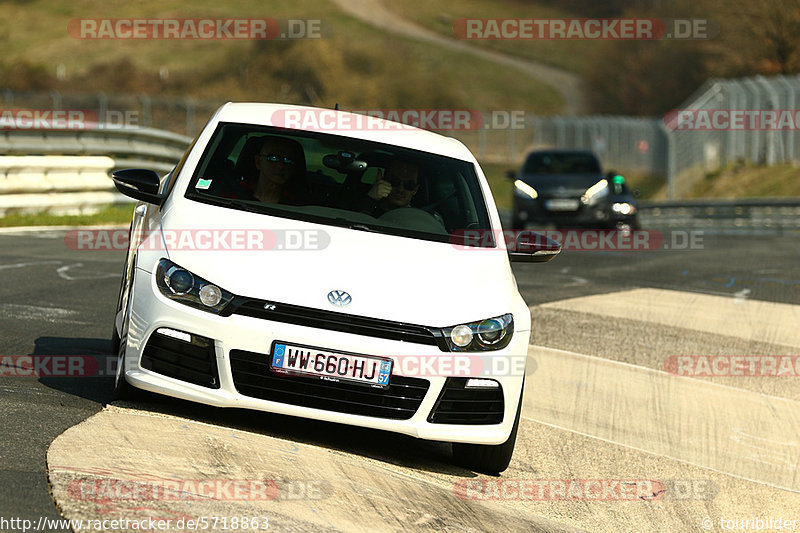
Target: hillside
x,y
352,63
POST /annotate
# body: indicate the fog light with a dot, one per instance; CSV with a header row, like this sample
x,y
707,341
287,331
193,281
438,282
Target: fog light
x,y
461,335
474,383
623,208
175,334
210,295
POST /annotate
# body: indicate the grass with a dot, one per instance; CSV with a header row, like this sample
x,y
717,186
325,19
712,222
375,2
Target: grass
x,y
109,215
439,17
500,185
750,181
353,64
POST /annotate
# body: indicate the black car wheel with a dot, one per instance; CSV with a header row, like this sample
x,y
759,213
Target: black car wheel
x,y
487,458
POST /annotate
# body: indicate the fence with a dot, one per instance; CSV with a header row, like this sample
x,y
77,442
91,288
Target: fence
x,y
701,149
657,146
683,148
180,115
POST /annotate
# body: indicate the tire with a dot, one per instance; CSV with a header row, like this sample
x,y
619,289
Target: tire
x,y
488,458
114,342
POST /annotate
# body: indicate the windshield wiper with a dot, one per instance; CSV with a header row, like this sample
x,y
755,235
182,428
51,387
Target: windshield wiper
x,y
363,227
349,224
243,205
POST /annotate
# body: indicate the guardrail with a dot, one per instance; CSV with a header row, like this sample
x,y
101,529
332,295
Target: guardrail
x,y
68,171
762,213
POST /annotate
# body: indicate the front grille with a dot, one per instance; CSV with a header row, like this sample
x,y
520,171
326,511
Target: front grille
x,y
194,362
460,405
318,318
252,377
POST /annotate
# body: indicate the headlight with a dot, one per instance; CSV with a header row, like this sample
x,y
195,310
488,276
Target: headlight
x,y
623,208
485,335
595,192
526,190
177,283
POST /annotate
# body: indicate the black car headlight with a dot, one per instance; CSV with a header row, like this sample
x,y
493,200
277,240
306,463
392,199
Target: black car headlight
x,y
526,191
177,283
596,192
486,335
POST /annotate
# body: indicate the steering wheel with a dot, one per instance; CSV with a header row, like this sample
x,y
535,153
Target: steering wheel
x,y
429,208
412,217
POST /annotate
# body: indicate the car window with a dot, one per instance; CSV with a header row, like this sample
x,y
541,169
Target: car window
x,y
561,163
168,182
330,179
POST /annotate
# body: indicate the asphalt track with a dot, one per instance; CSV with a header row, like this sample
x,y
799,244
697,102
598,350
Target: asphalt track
x,y
601,405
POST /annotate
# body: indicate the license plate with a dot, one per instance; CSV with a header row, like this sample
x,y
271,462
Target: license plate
x,y
329,365
562,204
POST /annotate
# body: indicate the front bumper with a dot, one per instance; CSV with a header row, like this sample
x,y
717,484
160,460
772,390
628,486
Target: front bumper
x,y
237,342
534,211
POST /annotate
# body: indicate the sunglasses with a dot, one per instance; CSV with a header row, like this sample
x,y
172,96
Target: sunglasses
x,y
408,185
275,158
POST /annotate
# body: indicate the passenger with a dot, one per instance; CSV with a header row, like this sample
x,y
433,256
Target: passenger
x,y
281,168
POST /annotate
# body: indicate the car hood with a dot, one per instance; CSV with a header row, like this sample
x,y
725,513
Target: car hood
x,y
561,184
388,277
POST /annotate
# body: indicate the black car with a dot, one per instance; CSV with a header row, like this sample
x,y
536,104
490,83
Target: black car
x,y
568,188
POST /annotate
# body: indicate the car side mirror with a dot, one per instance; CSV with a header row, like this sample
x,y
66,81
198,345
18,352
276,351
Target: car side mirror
x,y
532,247
140,184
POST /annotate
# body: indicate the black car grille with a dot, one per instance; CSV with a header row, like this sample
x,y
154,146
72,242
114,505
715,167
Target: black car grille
x,y
252,377
320,319
194,362
459,405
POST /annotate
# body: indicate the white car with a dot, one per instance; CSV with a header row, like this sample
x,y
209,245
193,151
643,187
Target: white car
x,y
335,268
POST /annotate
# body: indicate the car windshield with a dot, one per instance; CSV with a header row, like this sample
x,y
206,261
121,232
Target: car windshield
x,y
336,180
561,163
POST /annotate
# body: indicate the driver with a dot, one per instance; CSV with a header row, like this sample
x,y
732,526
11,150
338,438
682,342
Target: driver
x,y
395,189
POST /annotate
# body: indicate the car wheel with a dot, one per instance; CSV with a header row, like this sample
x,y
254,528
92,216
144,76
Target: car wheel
x,y
488,458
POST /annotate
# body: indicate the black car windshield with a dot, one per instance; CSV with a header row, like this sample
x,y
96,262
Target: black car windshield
x,y
561,163
341,181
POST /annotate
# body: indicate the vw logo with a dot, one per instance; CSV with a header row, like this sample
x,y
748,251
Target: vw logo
x,y
339,298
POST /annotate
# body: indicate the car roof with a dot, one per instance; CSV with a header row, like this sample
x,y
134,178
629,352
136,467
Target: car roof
x,y
376,129
562,151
